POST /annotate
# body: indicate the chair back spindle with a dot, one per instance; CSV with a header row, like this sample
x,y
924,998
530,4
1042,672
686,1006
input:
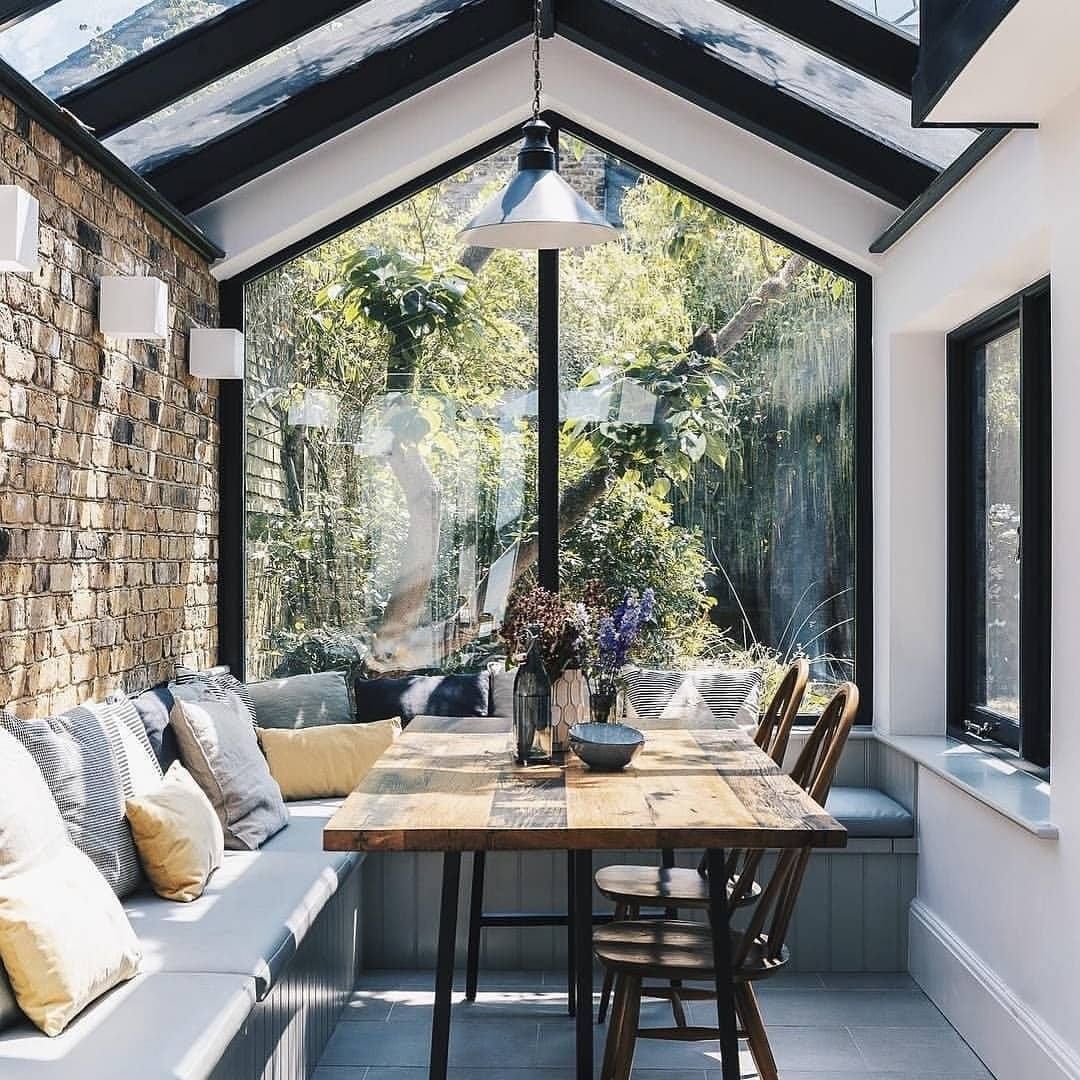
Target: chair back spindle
x,y
779,716
814,772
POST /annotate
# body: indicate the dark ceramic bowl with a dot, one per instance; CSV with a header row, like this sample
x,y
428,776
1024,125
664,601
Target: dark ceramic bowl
x,y
606,747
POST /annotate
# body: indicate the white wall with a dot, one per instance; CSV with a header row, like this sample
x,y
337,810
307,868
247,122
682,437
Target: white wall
x,y
995,933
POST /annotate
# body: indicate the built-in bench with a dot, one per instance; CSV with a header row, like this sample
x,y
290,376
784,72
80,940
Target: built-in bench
x,y
246,981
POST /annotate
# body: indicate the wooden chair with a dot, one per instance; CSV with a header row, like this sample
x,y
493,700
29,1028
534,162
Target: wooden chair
x,y
672,950
633,887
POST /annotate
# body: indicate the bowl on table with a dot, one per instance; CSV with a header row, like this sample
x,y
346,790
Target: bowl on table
x,y
606,747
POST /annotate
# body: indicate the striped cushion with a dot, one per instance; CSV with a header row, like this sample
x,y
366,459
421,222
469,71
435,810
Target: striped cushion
x,y
218,678
90,783
732,695
139,768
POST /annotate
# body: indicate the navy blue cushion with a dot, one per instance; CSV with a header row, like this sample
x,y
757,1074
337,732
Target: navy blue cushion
x,y
422,695
867,812
153,707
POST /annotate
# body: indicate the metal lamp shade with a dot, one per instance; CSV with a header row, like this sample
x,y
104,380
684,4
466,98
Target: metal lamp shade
x,y
537,210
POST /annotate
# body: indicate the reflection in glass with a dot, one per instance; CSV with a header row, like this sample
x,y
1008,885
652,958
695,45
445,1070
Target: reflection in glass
x,y
902,14
74,41
817,79
999,479
708,440
252,91
391,443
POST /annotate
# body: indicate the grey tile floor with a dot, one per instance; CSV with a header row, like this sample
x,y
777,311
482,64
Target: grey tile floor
x,y
822,1027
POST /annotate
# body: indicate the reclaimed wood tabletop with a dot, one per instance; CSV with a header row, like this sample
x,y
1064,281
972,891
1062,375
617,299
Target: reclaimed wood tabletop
x,y
450,784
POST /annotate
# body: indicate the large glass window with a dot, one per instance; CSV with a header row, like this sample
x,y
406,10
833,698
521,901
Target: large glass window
x,y
1000,531
707,435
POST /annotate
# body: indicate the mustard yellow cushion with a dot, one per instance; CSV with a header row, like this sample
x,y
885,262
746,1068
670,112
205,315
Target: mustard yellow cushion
x,y
178,835
64,938
320,762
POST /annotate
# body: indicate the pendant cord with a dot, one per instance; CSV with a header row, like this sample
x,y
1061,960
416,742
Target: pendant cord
x,y
538,13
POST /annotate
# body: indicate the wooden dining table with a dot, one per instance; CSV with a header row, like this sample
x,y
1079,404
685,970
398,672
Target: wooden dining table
x,y
450,785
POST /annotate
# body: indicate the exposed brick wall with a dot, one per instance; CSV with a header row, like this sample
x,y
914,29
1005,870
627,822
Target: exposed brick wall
x,y
108,450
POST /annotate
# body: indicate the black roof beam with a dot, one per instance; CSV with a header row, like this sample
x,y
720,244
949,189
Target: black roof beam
x,y
75,137
682,66
195,58
328,108
860,42
14,11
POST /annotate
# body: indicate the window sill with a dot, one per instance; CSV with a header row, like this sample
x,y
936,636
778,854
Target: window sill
x,y
1018,795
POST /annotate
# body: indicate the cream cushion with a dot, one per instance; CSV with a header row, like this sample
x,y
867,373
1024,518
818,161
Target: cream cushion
x,y
178,836
218,746
64,938
325,762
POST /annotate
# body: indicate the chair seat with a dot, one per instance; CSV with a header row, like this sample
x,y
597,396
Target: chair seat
x,y
652,886
672,949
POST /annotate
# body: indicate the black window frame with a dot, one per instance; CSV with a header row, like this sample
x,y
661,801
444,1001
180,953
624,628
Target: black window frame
x,y
1028,740
232,596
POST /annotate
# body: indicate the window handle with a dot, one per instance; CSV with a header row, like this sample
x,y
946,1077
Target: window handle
x,y
1019,543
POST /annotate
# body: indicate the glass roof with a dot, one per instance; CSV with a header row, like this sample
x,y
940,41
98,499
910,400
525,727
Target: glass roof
x,y
792,66
902,14
73,41
269,82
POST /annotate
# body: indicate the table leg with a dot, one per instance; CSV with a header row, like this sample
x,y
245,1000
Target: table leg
x,y
725,986
583,955
444,970
571,966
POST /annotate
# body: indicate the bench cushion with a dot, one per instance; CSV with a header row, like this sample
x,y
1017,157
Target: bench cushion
x,y
256,909
421,695
156,1027
302,701
867,812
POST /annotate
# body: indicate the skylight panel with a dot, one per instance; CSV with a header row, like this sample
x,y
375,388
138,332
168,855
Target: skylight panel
x,y
253,91
74,41
793,67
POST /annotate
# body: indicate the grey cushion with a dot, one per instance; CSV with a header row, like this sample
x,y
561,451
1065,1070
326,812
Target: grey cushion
x,y
88,780
153,707
155,1027
218,746
302,701
867,812
501,699
257,907
219,681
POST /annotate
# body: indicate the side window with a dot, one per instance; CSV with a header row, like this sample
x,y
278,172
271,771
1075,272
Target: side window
x,y
999,492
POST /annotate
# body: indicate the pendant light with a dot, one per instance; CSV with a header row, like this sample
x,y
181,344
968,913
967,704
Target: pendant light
x,y
538,210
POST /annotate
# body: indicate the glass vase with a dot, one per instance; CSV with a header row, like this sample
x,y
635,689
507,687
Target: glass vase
x,y
602,706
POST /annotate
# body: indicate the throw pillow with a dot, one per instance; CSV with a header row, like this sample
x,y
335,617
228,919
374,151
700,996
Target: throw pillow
x,y
421,695
153,707
218,678
178,835
64,938
219,748
77,759
302,701
323,762
730,694
139,768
